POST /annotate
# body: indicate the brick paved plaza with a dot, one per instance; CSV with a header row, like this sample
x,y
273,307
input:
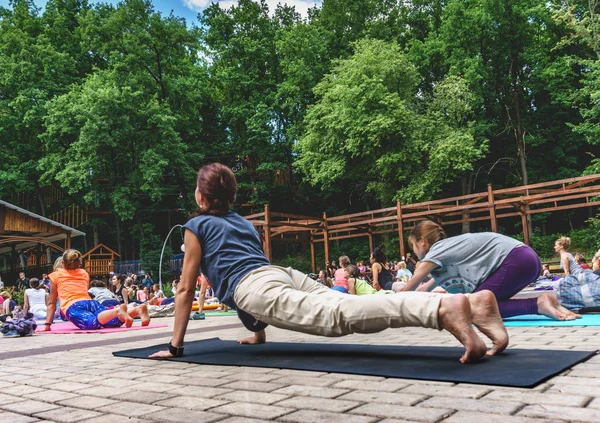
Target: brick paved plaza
x,y
75,378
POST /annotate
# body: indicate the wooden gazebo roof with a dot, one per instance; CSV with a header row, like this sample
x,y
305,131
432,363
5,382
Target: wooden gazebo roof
x,y
21,229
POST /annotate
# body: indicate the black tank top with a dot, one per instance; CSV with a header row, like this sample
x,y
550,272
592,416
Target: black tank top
x,y
385,279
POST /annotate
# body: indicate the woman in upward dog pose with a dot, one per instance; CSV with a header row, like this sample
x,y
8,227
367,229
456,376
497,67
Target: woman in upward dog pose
x,y
229,252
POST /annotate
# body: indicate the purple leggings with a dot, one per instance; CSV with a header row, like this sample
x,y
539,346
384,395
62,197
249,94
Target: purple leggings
x,y
520,268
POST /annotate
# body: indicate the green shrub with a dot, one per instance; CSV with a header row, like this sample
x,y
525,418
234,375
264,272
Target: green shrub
x,y
167,289
19,297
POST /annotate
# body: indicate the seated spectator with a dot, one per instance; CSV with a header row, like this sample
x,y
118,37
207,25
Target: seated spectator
x,y
7,306
581,261
358,286
35,300
158,292
596,263
341,282
118,288
324,280
403,274
131,291
98,291
45,282
546,272
147,281
174,286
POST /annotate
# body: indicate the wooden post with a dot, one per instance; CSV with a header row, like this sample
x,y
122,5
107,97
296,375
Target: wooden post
x,y
492,207
524,223
313,258
325,237
267,240
370,241
68,241
400,228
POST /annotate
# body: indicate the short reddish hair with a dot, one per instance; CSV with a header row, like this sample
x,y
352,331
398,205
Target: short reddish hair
x,y
216,182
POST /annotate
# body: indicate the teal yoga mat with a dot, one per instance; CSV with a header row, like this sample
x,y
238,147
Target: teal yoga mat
x,y
536,320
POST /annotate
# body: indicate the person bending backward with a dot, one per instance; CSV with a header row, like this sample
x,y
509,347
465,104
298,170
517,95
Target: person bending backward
x,y
568,264
228,250
70,285
471,263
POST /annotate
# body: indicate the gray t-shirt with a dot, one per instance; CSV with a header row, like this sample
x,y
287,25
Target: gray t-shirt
x,y
574,267
101,294
465,261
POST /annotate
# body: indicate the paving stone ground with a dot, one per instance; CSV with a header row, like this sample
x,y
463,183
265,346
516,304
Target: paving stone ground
x,y
75,378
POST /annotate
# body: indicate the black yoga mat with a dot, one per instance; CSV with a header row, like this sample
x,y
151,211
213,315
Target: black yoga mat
x,y
514,367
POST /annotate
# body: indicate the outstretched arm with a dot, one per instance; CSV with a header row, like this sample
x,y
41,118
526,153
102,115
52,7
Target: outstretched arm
x,y
352,286
202,295
185,291
26,303
51,309
376,268
564,259
420,274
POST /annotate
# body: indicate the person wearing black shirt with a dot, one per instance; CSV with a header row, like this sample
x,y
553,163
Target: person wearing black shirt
x,y
21,282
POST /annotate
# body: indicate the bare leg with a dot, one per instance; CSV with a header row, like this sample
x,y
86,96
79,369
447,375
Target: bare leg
x,y
549,306
257,338
142,311
455,316
486,317
120,312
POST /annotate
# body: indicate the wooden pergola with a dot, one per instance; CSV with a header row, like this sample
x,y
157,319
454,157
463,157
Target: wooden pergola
x,y
490,205
100,260
22,230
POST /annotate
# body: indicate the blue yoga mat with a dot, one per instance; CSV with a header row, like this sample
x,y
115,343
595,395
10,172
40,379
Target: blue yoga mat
x,y
537,320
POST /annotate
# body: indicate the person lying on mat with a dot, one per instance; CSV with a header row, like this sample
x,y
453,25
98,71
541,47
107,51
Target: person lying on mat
x,y
70,285
229,252
471,263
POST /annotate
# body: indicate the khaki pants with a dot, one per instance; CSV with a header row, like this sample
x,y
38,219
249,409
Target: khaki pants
x,y
288,299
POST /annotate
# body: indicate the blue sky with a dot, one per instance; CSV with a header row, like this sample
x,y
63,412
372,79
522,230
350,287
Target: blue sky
x,y
189,9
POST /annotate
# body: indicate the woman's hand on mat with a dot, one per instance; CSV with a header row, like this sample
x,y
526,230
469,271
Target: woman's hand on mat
x,y
161,354
45,328
258,338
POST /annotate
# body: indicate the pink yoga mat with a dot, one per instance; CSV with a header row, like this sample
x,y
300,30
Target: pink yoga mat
x,y
69,327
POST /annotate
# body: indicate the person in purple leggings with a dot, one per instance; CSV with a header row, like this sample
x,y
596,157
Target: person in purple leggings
x,y
481,261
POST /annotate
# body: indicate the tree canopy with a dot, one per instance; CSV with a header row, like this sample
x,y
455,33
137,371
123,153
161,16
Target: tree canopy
x,y
354,106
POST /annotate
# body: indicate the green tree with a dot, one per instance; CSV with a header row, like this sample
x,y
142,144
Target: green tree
x,y
362,127
33,71
129,137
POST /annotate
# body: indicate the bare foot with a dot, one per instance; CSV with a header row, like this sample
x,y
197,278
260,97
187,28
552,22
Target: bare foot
x,y
124,316
455,316
549,306
143,311
258,338
486,317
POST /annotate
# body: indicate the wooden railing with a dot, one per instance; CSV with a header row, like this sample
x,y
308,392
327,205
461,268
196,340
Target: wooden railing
x,y
72,216
99,267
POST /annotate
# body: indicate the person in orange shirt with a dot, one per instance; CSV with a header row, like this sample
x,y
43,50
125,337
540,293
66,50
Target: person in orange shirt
x,y
70,285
